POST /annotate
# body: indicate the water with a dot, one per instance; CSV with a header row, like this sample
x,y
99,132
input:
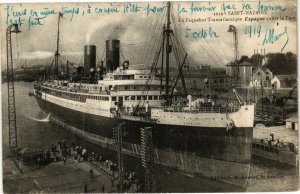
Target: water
x,y
35,131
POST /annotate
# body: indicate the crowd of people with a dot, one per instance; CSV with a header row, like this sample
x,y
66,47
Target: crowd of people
x,y
62,151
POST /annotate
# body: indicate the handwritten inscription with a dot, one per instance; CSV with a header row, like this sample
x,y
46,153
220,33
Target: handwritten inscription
x,y
253,30
272,36
262,7
133,8
235,12
201,34
149,9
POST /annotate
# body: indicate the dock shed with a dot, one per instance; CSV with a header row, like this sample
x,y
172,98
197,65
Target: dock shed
x,y
292,123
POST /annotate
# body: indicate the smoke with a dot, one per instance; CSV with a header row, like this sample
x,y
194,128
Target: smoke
x,y
108,27
36,55
72,53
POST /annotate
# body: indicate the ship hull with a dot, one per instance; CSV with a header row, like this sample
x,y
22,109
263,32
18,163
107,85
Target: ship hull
x,y
212,152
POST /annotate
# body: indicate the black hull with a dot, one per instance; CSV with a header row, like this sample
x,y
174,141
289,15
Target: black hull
x,y
202,150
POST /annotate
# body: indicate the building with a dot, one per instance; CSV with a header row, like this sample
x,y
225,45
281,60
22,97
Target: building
x,y
203,81
262,74
219,81
242,71
245,73
284,81
292,123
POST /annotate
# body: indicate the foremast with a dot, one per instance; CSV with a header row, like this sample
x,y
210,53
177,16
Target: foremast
x,y
168,32
57,54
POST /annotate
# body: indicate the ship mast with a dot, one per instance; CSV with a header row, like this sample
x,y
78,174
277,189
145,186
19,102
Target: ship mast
x,y
57,48
168,32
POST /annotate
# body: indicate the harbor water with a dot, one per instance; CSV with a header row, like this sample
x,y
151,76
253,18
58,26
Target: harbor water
x,y
34,130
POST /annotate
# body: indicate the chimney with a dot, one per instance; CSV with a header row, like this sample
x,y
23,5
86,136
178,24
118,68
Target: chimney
x,y
112,55
89,59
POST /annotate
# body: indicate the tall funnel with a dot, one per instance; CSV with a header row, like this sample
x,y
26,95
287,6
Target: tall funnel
x,y
89,59
112,54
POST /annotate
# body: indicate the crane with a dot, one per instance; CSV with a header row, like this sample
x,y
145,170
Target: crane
x,y
233,29
12,121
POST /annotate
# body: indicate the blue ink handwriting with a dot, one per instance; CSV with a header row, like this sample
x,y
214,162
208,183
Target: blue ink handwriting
x,y
154,9
225,7
181,9
201,34
73,11
261,7
133,8
271,37
253,30
201,8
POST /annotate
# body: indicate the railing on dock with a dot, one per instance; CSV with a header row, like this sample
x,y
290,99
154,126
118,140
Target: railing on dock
x,y
273,146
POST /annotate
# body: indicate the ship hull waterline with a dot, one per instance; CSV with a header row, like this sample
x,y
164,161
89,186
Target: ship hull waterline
x,y
210,152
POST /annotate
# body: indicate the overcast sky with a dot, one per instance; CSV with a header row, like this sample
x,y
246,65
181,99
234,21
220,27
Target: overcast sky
x,y
139,33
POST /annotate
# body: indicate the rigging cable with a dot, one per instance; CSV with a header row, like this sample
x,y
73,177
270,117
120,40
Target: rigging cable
x,y
154,36
149,79
226,56
176,33
142,51
213,59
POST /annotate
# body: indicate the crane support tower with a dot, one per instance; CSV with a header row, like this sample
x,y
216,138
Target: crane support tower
x,y
118,141
147,158
12,121
235,69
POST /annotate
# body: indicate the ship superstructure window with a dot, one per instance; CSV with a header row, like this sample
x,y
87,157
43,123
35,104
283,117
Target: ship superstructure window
x,y
136,87
113,98
150,97
126,98
102,98
123,77
139,98
155,97
132,98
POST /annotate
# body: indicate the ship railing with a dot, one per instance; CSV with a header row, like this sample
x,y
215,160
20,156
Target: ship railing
x,y
75,89
211,109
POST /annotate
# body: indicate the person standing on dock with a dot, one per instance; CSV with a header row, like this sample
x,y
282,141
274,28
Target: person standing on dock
x,y
102,188
85,190
65,160
92,173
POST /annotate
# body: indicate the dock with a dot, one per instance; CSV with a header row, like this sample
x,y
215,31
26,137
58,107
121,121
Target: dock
x,y
69,177
56,177
276,143
280,132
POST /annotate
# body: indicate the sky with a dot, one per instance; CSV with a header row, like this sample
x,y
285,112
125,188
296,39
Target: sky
x,y
140,32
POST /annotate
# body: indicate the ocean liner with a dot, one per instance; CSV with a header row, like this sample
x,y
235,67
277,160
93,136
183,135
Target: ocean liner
x,y
194,136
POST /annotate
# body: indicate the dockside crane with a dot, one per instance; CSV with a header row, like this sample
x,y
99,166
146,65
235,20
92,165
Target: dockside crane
x,y
12,120
233,29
